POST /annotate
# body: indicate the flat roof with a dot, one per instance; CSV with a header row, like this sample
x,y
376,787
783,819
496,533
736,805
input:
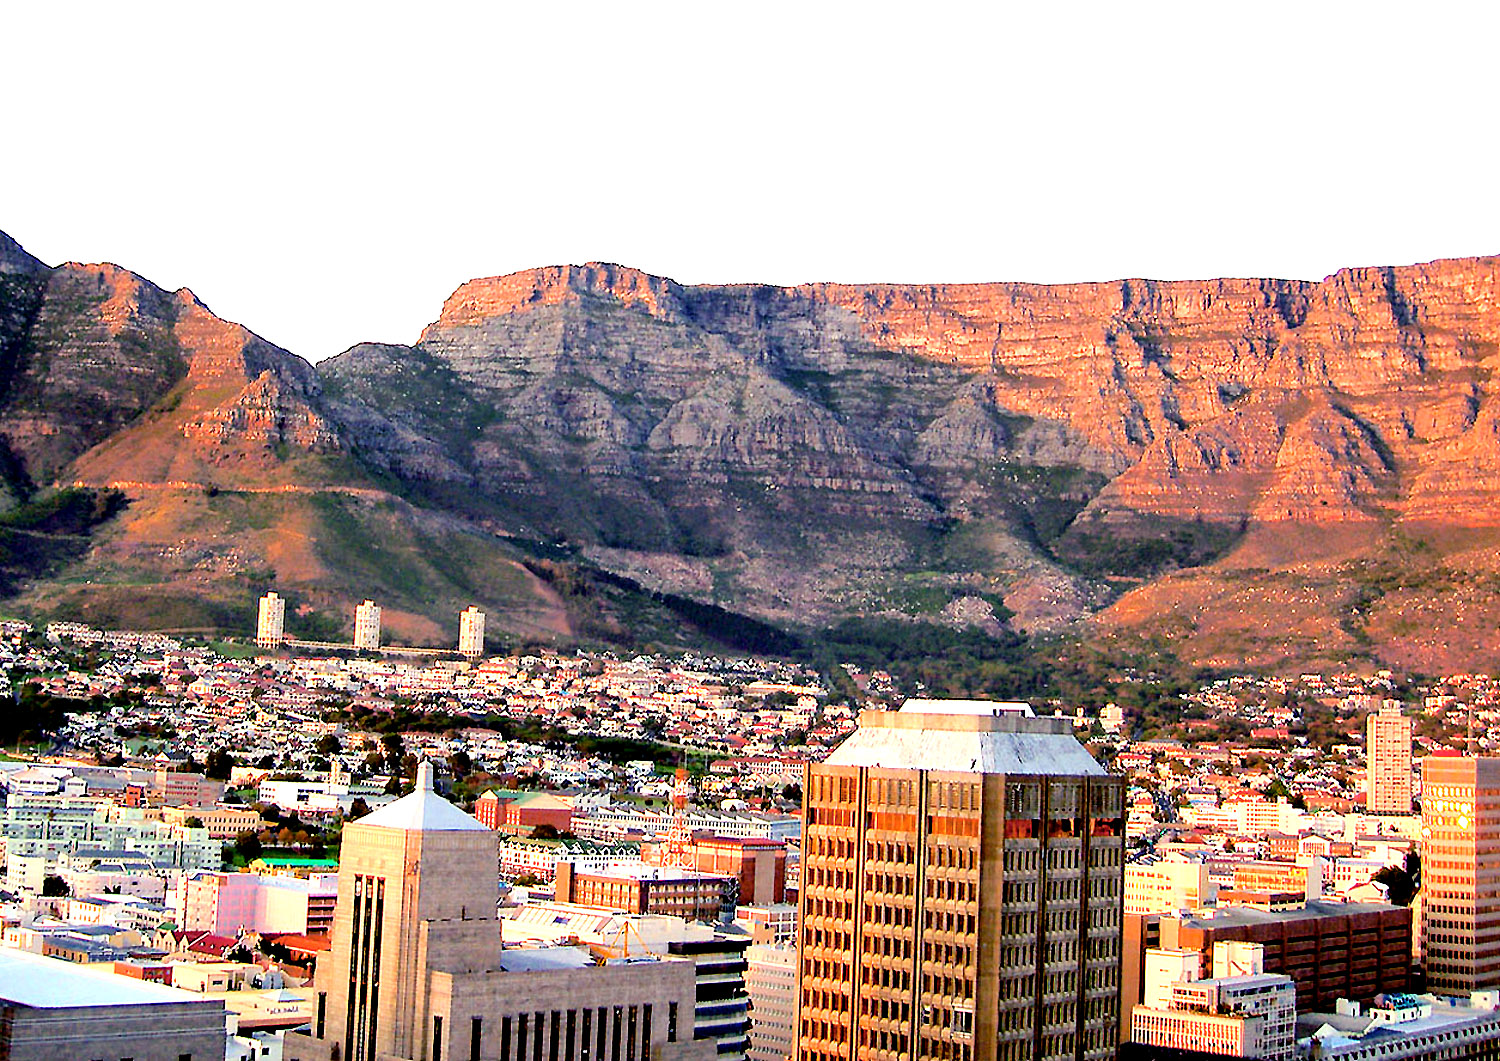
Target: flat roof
x,y
47,983
1251,915
1004,743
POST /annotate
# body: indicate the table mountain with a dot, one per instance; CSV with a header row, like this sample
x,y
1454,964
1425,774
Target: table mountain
x,y
1259,470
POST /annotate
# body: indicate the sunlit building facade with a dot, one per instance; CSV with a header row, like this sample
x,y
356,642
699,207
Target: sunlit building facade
x,y
1461,873
961,891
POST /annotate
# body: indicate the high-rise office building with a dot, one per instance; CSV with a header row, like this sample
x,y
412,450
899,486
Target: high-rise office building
x,y
270,625
471,631
367,625
961,891
1461,873
1388,760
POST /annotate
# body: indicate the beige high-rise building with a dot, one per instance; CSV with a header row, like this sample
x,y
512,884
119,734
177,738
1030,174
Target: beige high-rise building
x,y
961,891
271,622
1388,760
417,971
367,625
1460,873
771,983
471,631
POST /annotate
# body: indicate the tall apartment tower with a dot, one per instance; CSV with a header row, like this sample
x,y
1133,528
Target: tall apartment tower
x,y
961,891
270,625
471,631
1388,760
367,625
1461,873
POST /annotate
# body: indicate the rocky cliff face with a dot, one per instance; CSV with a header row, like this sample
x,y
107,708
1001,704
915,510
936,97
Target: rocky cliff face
x,y
806,448
812,452
106,356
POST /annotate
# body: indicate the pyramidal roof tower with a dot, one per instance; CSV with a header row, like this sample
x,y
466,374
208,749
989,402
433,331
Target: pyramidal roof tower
x,y
418,888
421,811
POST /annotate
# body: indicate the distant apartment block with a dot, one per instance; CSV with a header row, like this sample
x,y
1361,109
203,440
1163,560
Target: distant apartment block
x,y
1388,760
641,889
771,983
367,625
227,904
471,631
756,864
270,627
222,823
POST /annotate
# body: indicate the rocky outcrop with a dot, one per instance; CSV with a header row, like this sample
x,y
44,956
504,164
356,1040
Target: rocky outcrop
x,y
108,367
646,416
816,451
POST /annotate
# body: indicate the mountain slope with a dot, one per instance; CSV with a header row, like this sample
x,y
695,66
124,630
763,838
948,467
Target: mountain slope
x,y
236,480
834,449
1276,471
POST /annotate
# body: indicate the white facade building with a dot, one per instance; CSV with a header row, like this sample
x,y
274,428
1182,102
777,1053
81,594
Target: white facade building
x,y
1171,884
367,625
270,626
471,631
1242,1011
771,983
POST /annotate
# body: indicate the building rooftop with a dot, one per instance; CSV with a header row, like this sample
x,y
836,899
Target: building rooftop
x,y
533,959
965,740
47,983
1338,1032
424,810
1226,916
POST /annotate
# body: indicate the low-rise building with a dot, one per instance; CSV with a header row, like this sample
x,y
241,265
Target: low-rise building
x,y
1173,883
1241,1011
1402,1027
53,1009
639,888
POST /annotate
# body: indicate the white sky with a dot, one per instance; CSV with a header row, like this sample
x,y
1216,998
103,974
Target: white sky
x,y
328,173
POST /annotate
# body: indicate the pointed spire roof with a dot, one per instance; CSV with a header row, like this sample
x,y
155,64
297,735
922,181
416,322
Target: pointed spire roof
x,y
424,810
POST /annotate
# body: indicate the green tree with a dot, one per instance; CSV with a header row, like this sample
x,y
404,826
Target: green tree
x,y
248,845
1402,881
217,765
395,751
53,885
460,763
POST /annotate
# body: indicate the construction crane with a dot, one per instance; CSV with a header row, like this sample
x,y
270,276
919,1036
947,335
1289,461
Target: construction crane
x,y
678,850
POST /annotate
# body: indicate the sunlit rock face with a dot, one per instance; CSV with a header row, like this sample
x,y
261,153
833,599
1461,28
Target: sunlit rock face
x,y
990,454
833,426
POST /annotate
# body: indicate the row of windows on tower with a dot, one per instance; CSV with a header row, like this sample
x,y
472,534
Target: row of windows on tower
x,y
604,1033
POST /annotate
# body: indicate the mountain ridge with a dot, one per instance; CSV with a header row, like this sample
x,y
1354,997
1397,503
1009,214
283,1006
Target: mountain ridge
x,y
999,453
